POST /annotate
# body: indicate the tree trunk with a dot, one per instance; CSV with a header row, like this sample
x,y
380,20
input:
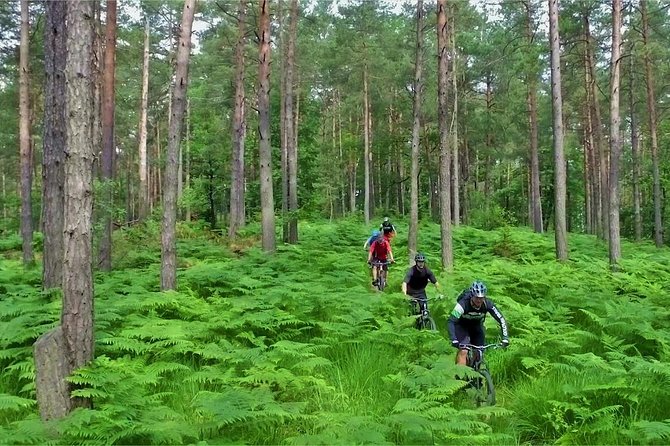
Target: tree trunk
x,y
535,197
188,158
237,210
291,133
25,142
108,146
615,136
73,342
367,155
416,133
168,236
455,179
443,120
651,112
603,201
635,149
265,152
55,33
144,183
591,140
559,157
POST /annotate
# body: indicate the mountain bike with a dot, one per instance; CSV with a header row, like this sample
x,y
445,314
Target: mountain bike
x,y
424,320
484,391
381,273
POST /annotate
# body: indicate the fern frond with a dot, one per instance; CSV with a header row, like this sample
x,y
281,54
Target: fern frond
x,y
14,403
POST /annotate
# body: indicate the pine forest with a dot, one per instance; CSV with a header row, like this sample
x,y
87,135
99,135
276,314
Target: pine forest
x,y
218,218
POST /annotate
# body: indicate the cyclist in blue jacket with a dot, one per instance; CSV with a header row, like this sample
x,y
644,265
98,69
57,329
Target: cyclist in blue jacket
x,y
466,322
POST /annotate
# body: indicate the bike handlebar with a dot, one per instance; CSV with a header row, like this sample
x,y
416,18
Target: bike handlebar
x,y
479,347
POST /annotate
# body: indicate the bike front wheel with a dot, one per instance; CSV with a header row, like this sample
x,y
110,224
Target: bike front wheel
x,y
426,323
486,392
381,280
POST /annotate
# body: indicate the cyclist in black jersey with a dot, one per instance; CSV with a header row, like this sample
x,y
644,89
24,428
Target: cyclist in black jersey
x,y
417,279
466,322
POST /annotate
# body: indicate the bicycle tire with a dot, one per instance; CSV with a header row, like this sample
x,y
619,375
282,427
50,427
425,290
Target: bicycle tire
x,y
381,279
486,392
430,324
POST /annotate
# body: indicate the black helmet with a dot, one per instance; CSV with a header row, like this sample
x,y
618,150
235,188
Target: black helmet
x,y
419,257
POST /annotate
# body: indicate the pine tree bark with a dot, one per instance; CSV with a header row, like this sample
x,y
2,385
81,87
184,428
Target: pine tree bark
x,y
455,175
560,227
416,133
615,136
443,128
535,197
367,155
168,233
291,134
142,137
635,149
55,55
68,347
108,143
237,209
265,152
25,141
653,137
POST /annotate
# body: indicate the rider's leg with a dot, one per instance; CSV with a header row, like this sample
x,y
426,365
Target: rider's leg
x,y
463,338
374,274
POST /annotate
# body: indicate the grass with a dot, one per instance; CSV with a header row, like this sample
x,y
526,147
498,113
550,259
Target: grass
x,y
296,347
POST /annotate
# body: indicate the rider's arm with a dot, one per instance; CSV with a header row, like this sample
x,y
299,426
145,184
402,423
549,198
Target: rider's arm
x,y
391,253
404,288
455,315
497,315
371,250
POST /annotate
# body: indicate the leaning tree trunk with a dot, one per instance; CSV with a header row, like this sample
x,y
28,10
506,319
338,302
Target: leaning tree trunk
x,y
416,131
560,227
53,158
443,120
168,234
237,210
651,112
25,140
615,136
68,347
108,146
265,150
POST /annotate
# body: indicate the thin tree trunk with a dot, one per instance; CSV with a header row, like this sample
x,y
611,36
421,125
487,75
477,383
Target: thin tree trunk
x,y
455,179
367,155
592,145
615,136
535,197
416,133
108,146
25,139
559,157
603,200
237,209
55,55
635,149
144,183
291,134
188,157
651,112
445,155
265,152
168,233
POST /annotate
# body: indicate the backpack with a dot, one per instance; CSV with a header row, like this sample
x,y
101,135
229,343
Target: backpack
x,y
381,248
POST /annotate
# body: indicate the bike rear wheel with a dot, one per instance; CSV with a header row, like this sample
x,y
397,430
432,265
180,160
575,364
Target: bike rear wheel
x,y
381,279
486,392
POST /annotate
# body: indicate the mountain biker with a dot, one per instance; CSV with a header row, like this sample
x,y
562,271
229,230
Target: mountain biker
x,y
466,322
387,228
380,251
417,279
374,236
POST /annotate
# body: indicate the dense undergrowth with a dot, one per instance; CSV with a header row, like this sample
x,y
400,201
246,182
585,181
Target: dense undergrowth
x,y
295,347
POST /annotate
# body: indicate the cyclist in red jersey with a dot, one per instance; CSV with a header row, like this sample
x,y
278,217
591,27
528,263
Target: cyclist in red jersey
x,y
380,252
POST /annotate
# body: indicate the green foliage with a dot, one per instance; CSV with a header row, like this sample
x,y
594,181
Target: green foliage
x,y
296,348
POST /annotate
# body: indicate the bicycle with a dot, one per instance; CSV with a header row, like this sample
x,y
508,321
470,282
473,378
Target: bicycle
x,y
381,273
424,320
485,392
